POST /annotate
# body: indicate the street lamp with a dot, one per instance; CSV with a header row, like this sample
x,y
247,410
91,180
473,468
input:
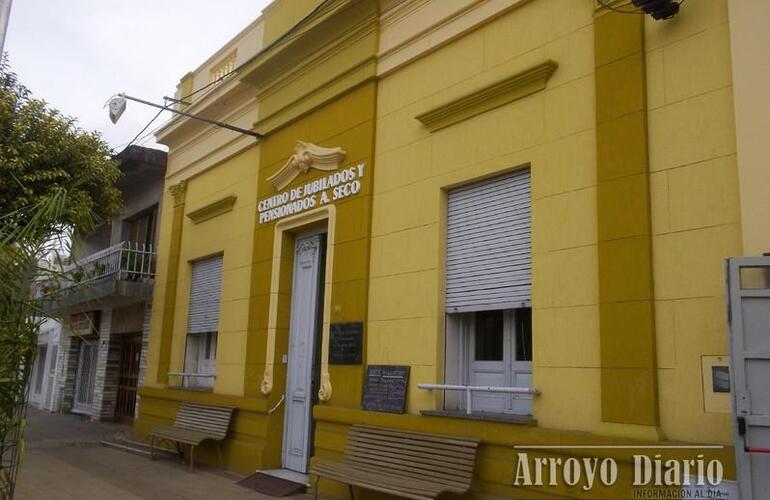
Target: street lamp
x,y
117,105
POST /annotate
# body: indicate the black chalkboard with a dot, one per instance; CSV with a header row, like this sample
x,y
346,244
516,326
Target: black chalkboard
x,y
345,343
385,388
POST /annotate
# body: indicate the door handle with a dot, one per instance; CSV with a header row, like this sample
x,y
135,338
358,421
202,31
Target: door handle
x,y
742,433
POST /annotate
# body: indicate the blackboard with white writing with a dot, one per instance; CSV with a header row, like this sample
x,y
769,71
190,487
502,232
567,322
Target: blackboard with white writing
x,y
385,388
345,343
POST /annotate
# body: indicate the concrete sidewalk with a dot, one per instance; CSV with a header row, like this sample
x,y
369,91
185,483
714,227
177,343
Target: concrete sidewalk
x,y
64,460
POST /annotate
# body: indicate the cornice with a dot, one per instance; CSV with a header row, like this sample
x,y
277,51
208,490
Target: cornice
x,y
332,53
438,33
212,210
228,89
400,11
181,139
489,97
315,98
319,57
277,48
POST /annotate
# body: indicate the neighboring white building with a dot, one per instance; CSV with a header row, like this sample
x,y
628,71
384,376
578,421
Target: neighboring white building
x,y
43,379
103,300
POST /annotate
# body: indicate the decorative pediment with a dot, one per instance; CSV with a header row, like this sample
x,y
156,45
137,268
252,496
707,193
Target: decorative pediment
x,y
211,210
490,97
305,157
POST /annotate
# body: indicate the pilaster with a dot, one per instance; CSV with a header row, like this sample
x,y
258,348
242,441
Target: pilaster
x,y
626,296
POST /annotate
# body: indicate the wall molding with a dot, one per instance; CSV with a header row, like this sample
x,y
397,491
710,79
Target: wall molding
x,y
328,214
219,207
490,97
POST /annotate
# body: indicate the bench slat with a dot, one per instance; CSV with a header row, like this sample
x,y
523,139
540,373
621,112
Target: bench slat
x,y
411,455
405,463
412,471
435,447
196,422
410,468
378,481
430,454
417,436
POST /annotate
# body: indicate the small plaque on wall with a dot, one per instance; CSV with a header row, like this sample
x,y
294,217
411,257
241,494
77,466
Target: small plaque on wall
x,y
385,388
345,343
84,324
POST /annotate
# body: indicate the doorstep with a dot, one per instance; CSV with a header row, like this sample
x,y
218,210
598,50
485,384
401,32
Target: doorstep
x,y
289,475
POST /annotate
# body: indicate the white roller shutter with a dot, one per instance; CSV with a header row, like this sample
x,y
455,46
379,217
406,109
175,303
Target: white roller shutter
x,y
488,262
205,292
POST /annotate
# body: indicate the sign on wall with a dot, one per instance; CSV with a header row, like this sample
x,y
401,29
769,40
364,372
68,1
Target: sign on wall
x,y
385,388
84,324
316,193
346,343
333,187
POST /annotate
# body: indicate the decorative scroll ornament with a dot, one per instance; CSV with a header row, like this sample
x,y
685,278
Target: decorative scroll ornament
x,y
267,382
307,249
325,391
305,157
178,192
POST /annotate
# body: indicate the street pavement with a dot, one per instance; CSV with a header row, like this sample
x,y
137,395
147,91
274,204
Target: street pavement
x,y
64,459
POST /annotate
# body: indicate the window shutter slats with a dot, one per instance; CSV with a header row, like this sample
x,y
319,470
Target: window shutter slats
x,y
488,259
205,292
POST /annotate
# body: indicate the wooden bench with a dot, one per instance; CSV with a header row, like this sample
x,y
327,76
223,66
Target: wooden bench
x,y
407,464
195,423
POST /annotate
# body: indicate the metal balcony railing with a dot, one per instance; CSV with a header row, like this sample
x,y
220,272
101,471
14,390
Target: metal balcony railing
x,y
125,261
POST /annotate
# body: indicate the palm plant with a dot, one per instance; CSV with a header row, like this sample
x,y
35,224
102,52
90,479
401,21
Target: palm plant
x,y
55,178
21,249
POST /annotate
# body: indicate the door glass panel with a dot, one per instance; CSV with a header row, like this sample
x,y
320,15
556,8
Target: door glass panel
x,y
40,368
524,334
488,338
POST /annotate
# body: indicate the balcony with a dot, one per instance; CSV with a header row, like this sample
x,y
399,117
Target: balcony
x,y
119,275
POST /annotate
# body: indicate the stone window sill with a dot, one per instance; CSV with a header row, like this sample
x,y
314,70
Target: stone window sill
x,y
506,418
191,389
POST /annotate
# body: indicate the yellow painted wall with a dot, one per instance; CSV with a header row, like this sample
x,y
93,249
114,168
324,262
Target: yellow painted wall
x,y
341,113
553,131
355,135
229,234
751,79
393,280
163,288
695,207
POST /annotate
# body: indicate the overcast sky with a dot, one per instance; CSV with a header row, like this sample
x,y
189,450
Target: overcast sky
x,y
75,54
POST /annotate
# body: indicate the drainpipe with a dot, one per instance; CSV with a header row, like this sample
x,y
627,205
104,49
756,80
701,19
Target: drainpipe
x,y
5,14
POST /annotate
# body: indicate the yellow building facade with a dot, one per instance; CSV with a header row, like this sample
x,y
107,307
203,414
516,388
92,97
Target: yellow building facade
x,y
378,119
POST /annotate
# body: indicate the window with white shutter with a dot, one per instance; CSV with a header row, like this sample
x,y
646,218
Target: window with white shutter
x,y
488,292
203,321
488,261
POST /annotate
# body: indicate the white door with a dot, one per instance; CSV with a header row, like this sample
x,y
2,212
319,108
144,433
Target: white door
x,y
490,347
50,378
38,374
748,282
500,356
302,333
86,376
